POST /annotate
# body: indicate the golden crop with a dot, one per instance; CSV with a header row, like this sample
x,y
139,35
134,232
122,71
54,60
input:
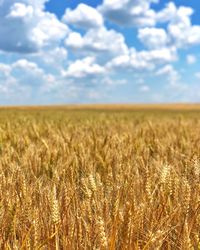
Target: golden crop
x,y
99,179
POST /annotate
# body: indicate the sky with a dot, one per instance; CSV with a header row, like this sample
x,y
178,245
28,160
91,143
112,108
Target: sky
x,y
104,51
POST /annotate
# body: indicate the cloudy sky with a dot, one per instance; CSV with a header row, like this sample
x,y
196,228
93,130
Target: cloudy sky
x,y
110,51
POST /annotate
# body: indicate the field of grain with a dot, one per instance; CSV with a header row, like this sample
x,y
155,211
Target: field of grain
x,y
83,178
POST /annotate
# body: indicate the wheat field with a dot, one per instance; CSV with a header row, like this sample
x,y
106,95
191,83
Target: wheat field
x,y
73,178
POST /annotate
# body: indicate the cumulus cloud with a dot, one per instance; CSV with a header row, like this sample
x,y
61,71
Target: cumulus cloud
x,y
11,89
180,28
132,61
172,75
54,59
99,41
4,69
153,38
185,35
139,13
24,73
144,60
23,64
159,56
26,27
84,68
128,12
30,74
20,10
83,16
46,56
167,14
180,31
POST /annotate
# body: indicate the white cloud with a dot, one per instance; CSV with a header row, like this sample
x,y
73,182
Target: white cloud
x,y
25,65
184,35
98,41
167,14
11,89
180,31
153,38
30,74
172,75
83,16
25,78
75,41
146,59
133,61
48,30
166,70
35,3
50,59
20,10
180,28
159,56
84,68
129,12
26,27
191,59
4,69
55,57
27,74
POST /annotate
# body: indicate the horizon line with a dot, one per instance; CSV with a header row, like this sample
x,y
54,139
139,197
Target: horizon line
x,y
108,106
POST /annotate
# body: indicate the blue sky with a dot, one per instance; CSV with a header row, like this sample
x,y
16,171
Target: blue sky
x,y
109,51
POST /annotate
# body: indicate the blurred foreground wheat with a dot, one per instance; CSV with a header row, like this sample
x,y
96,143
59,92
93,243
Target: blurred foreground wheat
x,y
99,181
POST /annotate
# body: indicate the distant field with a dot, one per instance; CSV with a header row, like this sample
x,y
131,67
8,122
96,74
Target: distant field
x,y
100,177
175,106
